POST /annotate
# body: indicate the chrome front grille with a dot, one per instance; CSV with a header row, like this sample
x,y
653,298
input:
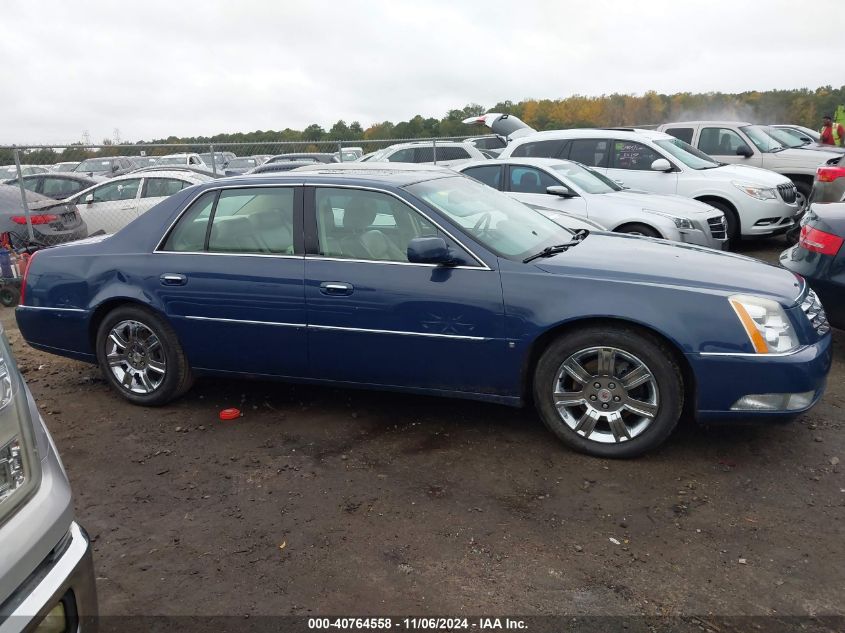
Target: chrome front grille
x,y
813,310
718,226
788,193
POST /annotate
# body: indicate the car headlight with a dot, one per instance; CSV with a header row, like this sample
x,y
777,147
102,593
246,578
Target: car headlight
x,y
681,223
766,324
20,470
761,193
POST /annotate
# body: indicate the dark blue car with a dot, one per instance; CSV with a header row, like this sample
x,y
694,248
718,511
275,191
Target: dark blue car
x,y
418,279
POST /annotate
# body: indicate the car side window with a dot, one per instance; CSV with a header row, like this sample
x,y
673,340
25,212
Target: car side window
x,y
369,225
590,152
162,187
540,149
451,153
632,155
530,180
61,187
682,133
253,220
188,236
117,190
719,141
490,175
404,155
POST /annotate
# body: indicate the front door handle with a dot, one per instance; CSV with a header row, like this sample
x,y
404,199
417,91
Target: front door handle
x,y
336,288
173,279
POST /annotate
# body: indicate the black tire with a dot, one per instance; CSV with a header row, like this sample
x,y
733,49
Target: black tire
x,y
10,296
804,189
637,229
177,377
731,218
660,362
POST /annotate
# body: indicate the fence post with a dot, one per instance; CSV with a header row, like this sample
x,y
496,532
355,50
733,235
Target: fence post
x,y
434,150
340,151
23,196
213,160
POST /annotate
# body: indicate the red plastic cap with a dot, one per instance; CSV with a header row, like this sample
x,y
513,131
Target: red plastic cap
x,y
230,414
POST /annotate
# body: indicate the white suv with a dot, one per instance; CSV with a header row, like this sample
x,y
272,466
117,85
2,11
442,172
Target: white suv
x,y
445,152
743,143
755,202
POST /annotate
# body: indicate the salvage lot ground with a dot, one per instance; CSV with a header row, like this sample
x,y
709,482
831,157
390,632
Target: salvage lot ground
x,y
325,501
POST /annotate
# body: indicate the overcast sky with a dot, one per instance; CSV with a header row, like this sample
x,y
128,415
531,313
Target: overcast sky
x,y
156,68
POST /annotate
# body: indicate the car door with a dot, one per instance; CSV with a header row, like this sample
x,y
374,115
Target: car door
x,y
630,166
722,144
229,276
156,189
110,206
375,318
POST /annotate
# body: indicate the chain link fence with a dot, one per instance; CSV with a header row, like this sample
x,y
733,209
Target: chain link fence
x,y
56,194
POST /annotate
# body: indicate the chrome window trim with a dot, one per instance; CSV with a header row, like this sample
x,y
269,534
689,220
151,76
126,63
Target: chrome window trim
x,y
388,262
798,349
333,328
480,261
229,254
51,308
245,321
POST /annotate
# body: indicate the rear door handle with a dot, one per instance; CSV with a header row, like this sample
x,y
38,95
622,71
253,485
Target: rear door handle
x,y
336,288
173,279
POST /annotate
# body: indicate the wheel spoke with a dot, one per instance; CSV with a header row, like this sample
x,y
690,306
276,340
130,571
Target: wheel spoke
x,y
587,422
617,427
116,360
117,338
133,331
145,381
577,371
152,343
636,377
156,365
645,409
569,398
607,361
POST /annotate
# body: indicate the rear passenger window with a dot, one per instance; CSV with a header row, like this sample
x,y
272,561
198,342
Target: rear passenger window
x,y
188,236
405,155
61,187
490,175
590,152
631,155
530,180
253,221
683,133
540,149
452,153
162,187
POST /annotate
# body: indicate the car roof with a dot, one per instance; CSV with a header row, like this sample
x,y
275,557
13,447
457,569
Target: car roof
x,y
395,174
592,132
160,173
428,144
722,122
517,160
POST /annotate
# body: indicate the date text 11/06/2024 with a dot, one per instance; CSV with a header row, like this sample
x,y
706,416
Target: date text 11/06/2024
x,y
429,624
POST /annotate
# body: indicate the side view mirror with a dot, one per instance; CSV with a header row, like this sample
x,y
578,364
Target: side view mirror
x,y
89,198
429,250
562,191
744,151
115,167
661,164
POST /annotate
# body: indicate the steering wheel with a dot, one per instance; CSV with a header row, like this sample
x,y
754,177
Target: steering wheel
x,y
483,225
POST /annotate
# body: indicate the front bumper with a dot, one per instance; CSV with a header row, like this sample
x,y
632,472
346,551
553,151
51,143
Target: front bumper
x,y
722,379
66,576
767,217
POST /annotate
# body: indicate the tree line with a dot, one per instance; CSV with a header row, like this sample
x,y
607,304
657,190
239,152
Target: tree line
x,y
800,106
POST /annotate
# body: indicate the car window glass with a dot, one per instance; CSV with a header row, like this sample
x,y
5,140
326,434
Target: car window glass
x,y
488,174
683,133
162,187
254,220
632,155
30,184
590,152
719,141
61,187
530,180
189,233
426,154
451,152
369,225
117,190
405,155
539,149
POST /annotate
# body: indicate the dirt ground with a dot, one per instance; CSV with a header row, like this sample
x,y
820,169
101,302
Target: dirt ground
x,y
326,501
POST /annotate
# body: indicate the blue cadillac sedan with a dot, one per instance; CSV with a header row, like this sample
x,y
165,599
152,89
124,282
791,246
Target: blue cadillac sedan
x,y
422,280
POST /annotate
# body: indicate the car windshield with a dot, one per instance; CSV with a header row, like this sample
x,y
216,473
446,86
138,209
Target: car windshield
x,y
585,179
687,154
507,227
785,138
96,165
172,160
764,142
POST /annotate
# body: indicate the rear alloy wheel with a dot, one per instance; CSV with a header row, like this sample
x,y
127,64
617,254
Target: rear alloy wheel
x,y
140,356
610,392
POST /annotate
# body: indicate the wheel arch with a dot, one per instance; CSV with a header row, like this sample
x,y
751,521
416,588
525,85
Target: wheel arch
x,y
106,306
539,344
645,223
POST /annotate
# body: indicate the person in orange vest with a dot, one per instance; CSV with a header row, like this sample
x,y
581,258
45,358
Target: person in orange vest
x,y
831,134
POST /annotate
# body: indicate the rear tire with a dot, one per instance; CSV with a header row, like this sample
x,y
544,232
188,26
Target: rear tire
x,y
140,356
611,391
10,296
637,229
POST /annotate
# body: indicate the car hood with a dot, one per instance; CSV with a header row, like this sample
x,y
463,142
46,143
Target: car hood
x,y
643,260
675,205
803,157
750,175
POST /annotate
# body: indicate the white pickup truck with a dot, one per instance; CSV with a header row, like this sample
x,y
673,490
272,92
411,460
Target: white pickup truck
x,y
744,143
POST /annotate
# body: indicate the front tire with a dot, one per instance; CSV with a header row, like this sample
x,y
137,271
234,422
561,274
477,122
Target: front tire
x,y
731,219
637,229
609,392
140,356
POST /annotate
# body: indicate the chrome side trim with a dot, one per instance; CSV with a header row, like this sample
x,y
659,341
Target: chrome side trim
x,y
222,320
755,355
51,308
333,328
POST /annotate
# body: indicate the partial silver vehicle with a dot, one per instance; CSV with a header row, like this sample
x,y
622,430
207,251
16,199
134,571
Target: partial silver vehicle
x,y
802,132
446,153
53,222
10,171
566,219
46,567
796,140
570,187
179,160
242,164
